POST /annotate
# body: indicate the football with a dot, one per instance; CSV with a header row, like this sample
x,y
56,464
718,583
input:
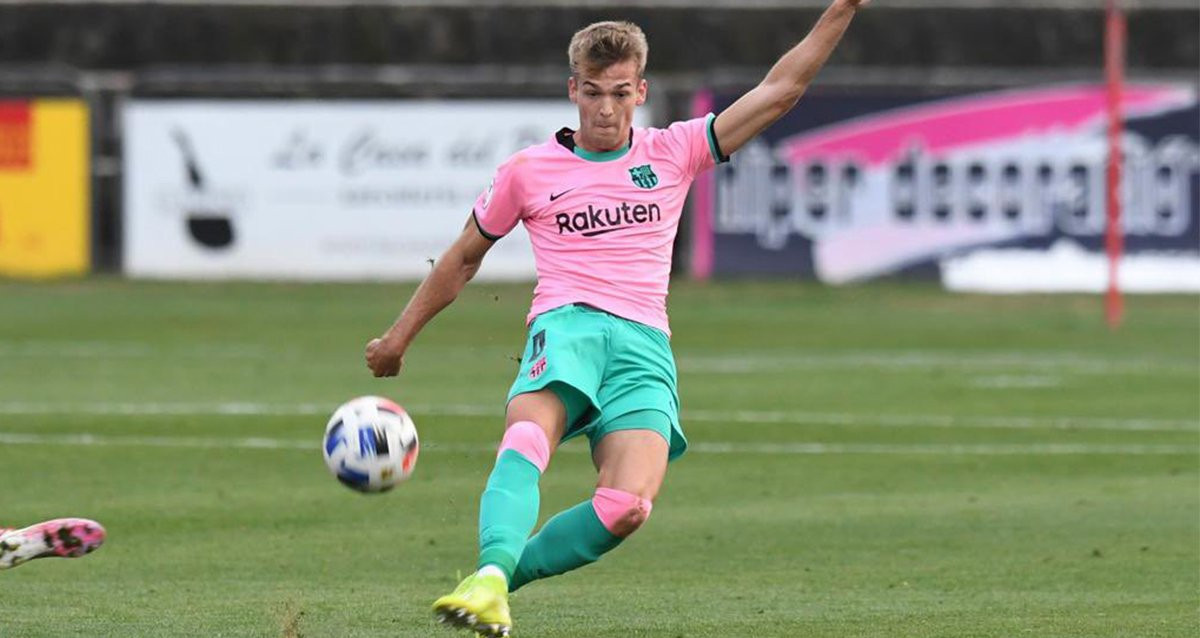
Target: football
x,y
371,444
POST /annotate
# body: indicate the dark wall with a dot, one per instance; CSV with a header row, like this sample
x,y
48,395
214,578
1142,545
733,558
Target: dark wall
x,y
128,37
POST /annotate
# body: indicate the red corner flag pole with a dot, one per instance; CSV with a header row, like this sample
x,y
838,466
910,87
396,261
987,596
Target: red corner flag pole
x,y
1114,70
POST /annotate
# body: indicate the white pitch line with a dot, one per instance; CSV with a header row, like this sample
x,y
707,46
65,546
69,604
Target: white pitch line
x,y
1015,382
780,417
222,408
926,360
948,449
945,421
117,350
25,438
728,363
773,449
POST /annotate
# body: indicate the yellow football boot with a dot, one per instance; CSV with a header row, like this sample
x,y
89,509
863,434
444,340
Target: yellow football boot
x,y
480,604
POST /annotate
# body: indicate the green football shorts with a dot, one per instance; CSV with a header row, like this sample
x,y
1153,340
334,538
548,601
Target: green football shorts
x,y
611,373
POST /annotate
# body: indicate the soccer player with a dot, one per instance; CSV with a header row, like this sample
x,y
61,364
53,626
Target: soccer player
x,y
65,537
601,205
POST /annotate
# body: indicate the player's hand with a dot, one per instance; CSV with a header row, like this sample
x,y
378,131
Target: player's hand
x,y
856,4
383,358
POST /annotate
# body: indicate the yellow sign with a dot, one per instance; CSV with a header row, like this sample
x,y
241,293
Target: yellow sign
x,y
44,188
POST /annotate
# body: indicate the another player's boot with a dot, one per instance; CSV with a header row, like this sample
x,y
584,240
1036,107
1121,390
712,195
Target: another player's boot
x,y
479,603
65,537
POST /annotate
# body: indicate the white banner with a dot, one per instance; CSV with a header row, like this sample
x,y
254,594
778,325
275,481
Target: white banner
x,y
314,190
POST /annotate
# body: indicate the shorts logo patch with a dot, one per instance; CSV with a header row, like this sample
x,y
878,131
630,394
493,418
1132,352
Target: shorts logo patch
x,y
538,368
539,343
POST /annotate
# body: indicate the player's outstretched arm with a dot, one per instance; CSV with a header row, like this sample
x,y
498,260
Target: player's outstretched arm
x,y
787,80
449,275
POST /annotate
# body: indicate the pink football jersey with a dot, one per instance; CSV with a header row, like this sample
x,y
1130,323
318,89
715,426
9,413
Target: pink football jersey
x,y
602,225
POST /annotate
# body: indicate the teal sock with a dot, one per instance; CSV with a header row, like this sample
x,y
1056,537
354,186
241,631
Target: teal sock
x,y
572,539
508,511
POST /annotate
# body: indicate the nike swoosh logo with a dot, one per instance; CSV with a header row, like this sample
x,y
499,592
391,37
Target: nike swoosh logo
x,y
603,232
554,197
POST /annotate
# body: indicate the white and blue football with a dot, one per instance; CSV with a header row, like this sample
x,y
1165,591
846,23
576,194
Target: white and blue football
x,y
371,444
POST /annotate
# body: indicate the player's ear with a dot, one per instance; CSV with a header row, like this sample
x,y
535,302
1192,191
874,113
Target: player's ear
x,y
572,89
642,90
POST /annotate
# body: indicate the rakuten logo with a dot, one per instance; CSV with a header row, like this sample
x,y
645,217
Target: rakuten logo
x,y
597,221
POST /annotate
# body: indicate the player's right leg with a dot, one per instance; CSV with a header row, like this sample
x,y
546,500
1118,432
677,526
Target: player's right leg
x,y
508,510
65,537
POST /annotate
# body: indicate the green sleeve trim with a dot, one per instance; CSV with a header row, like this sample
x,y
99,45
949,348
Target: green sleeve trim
x,y
483,232
714,146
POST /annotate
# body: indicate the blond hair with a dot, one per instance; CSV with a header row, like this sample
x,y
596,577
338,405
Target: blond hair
x,y
603,44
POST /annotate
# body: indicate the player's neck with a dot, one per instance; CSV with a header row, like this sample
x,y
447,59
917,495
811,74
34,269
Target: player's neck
x,y
587,144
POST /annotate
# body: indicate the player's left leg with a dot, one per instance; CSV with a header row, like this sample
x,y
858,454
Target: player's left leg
x,y
65,537
632,464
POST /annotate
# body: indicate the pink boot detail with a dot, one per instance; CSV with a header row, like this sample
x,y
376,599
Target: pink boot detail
x,y
65,537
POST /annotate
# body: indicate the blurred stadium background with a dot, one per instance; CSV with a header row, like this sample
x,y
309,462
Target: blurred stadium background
x,y
207,207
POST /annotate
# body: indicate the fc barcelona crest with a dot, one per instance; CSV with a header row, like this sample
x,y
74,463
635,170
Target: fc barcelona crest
x,y
644,176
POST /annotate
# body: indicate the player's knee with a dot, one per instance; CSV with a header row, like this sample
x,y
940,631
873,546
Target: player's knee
x,y
631,520
622,513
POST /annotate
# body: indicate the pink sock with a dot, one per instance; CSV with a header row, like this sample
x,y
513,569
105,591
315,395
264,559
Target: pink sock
x,y
528,440
612,506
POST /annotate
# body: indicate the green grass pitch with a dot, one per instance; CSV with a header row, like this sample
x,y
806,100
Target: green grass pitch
x,y
885,460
